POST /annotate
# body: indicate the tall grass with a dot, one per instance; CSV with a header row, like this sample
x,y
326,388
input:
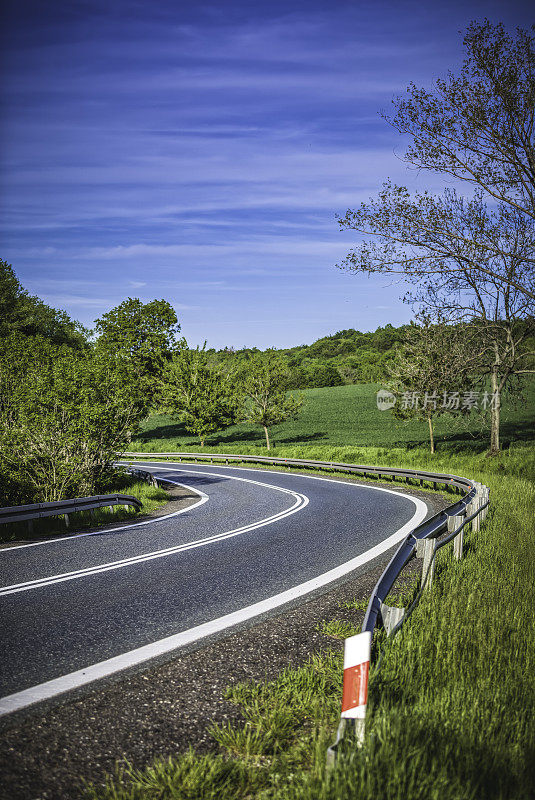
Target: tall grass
x,y
452,709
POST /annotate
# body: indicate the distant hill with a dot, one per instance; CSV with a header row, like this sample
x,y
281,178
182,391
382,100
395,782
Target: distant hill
x,y
346,357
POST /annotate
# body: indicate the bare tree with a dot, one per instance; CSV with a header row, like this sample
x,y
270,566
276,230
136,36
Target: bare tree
x,y
431,374
470,277
479,126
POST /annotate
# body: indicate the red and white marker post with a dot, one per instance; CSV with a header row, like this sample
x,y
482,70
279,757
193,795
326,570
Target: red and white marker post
x,y
355,689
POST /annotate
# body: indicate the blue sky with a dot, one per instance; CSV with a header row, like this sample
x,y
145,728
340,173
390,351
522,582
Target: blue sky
x,y
199,152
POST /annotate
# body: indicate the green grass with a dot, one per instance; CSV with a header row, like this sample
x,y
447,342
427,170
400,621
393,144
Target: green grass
x,y
347,415
452,709
152,497
337,628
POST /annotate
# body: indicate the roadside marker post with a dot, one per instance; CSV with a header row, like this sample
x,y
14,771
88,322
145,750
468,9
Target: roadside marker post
x,y
357,654
355,687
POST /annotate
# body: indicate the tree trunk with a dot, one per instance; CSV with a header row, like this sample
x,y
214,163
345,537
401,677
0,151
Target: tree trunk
x,y
202,442
267,436
495,414
431,437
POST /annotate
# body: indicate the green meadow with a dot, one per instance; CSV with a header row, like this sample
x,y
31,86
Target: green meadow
x,y
348,415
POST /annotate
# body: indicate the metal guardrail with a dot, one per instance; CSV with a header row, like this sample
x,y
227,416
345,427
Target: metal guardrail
x,y
63,508
422,542
423,476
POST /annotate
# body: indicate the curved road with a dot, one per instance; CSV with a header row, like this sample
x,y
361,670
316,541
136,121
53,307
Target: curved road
x,y
79,608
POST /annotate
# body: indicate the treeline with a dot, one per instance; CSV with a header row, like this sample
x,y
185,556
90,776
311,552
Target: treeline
x,y
346,357
71,398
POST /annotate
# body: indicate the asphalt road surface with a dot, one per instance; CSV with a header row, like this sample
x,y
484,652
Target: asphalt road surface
x,y
79,608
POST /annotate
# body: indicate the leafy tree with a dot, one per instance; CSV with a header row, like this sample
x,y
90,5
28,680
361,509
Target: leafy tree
x,y
63,416
21,312
205,398
140,338
431,374
265,381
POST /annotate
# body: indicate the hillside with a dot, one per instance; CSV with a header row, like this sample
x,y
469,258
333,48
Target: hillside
x,y
348,415
346,357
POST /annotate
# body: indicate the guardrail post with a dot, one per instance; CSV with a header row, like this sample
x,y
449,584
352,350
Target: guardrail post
x,y
486,494
30,526
474,506
66,518
425,548
391,615
453,524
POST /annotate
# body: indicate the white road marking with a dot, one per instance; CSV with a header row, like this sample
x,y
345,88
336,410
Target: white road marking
x,y
74,680
300,502
101,531
94,672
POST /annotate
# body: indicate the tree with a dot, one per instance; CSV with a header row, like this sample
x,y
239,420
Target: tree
x,y
265,378
431,374
470,262
28,315
64,414
205,398
478,126
141,338
453,277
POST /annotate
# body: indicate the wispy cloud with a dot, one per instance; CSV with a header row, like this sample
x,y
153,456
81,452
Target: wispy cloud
x,y
201,151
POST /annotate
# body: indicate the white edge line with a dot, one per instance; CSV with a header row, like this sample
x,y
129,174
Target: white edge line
x,y
74,680
301,501
75,536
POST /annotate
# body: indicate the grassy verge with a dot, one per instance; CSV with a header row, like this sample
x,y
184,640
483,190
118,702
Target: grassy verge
x,y
152,497
451,711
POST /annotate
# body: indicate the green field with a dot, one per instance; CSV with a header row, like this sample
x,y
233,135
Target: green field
x,y
348,415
